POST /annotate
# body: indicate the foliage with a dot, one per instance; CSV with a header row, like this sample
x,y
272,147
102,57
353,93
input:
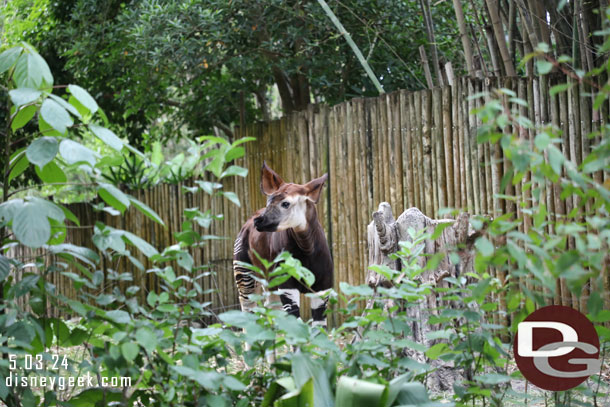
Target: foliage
x,y
181,67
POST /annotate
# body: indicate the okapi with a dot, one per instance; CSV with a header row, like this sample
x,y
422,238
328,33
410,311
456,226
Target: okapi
x,y
290,223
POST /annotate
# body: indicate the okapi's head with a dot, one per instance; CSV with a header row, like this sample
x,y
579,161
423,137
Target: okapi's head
x,y
286,203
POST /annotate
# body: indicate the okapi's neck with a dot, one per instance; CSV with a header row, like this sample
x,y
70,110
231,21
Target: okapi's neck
x,y
306,238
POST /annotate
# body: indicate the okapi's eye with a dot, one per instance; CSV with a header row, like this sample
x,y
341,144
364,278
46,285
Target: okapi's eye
x,y
285,204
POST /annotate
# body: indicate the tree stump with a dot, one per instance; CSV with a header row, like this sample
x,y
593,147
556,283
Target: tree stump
x,y
384,235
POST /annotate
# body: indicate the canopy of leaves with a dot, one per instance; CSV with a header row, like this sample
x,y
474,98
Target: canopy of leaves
x,y
202,63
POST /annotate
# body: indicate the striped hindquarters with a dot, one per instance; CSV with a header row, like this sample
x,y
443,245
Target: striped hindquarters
x,y
243,276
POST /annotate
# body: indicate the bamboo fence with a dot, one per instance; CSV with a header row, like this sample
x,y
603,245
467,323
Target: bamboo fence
x,y
407,148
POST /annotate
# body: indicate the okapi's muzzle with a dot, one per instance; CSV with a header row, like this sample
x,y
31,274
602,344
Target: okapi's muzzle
x,y
262,224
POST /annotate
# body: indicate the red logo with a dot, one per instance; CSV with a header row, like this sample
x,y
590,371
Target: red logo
x,y
557,348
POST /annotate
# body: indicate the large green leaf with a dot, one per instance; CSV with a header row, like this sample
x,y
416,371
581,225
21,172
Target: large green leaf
x,y
9,208
23,116
24,96
32,71
18,164
31,225
73,152
130,350
83,97
236,318
147,339
414,394
8,58
303,397
305,368
107,136
63,103
83,253
113,197
140,243
5,267
146,210
234,170
51,173
231,196
42,151
56,115
359,393
49,208
208,379
46,129
118,316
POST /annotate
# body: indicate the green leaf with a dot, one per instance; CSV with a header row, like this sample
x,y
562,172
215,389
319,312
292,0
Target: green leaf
x,y
32,71
83,253
78,336
73,152
83,97
562,87
234,170
8,58
484,246
208,186
130,351
242,140
31,226
542,140
9,208
23,116
42,151
303,397
438,230
147,339
23,96
157,153
359,393
544,66
437,350
360,290
303,369
63,103
118,316
51,173
146,210
232,196
492,378
234,153
18,165
54,114
414,394
556,159
5,267
239,319
140,243
107,136
185,260
113,197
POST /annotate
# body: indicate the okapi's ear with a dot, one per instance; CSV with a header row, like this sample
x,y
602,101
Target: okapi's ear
x,y
314,188
270,181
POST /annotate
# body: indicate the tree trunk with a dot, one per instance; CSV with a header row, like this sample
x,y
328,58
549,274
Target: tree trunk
x,y
426,65
425,5
459,15
384,233
284,89
493,8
